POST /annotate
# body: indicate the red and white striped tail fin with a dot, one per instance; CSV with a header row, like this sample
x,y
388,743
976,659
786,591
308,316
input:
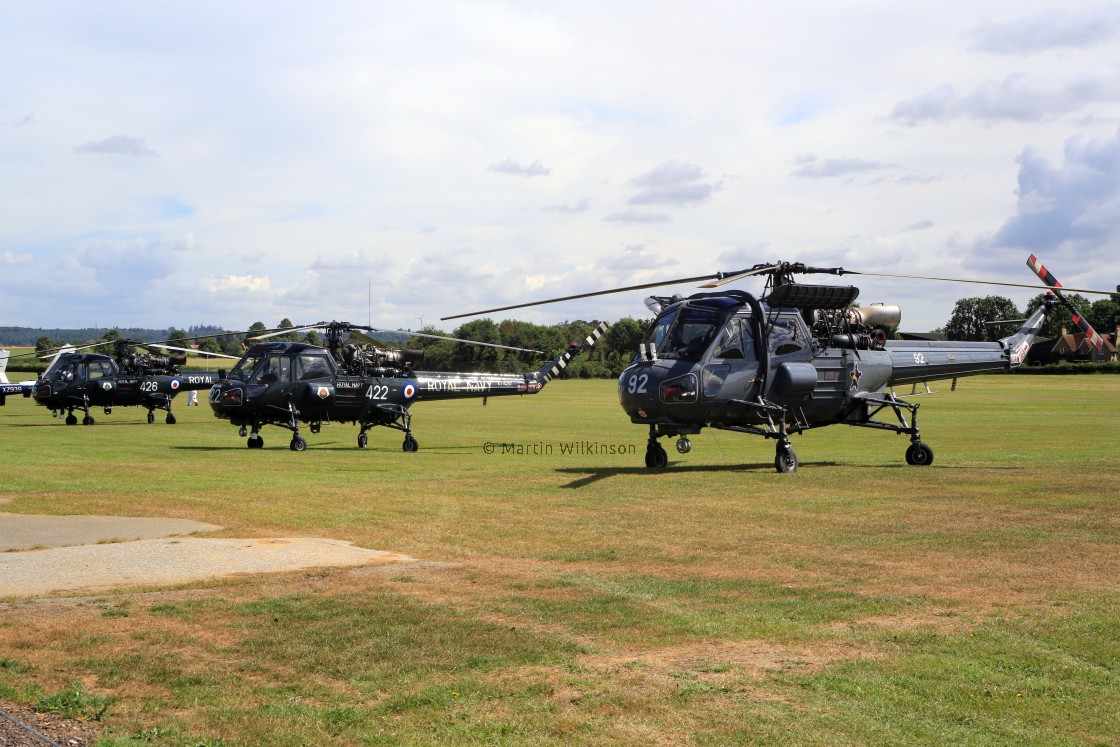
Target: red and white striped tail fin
x,y
1047,277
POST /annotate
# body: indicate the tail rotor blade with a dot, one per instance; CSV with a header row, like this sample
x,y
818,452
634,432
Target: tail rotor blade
x,y
1047,277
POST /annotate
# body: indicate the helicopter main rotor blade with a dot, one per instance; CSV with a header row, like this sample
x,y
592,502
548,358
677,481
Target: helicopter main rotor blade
x,y
452,339
976,281
592,294
758,270
204,353
72,349
288,331
722,278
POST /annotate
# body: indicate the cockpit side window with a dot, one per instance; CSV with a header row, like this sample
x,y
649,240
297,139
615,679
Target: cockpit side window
x,y
660,330
67,372
100,369
735,341
276,368
312,366
786,337
245,368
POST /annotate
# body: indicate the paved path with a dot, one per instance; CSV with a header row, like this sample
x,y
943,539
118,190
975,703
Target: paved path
x,y
24,532
85,553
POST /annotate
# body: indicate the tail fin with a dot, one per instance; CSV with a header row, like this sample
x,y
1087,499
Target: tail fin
x,y
552,369
1019,344
1044,275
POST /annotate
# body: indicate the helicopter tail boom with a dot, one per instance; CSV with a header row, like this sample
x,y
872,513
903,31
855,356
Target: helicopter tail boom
x,y
432,385
914,362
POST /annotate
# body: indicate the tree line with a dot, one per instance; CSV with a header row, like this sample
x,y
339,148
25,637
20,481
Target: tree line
x,y
609,356
607,359
969,317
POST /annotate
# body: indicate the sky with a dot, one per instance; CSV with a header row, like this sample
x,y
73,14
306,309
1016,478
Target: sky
x,y
177,164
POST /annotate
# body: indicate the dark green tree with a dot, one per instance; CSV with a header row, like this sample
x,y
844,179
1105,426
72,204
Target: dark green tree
x,y
209,345
46,344
178,338
969,315
285,323
620,344
1104,315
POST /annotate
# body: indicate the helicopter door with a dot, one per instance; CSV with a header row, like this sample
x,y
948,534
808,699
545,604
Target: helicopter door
x,y
98,379
732,368
276,370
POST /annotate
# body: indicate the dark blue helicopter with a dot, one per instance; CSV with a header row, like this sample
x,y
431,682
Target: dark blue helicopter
x,y
356,381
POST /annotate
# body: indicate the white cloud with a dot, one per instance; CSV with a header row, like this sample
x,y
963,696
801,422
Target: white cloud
x,y
1018,97
671,183
1056,28
811,166
118,145
10,259
509,166
239,283
1068,210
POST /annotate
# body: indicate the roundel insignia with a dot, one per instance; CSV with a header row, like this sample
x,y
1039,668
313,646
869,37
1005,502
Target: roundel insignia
x,y
323,392
175,384
107,386
409,391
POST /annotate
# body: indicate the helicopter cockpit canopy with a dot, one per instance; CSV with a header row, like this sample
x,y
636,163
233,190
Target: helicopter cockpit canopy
x,y
685,332
81,367
284,364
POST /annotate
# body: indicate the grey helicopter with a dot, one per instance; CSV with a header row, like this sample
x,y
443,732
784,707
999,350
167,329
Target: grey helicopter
x,y
800,357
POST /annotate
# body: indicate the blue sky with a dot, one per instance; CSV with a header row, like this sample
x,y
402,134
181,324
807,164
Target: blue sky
x,y
178,164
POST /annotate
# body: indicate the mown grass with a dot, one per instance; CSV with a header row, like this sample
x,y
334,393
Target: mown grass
x,y
577,598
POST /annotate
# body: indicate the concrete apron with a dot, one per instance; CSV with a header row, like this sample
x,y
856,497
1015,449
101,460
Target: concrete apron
x,y
43,555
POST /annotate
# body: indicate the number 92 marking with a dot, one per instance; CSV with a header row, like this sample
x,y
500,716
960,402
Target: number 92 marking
x,y
636,384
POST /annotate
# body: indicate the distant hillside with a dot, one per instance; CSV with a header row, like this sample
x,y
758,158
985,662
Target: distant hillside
x,y
28,335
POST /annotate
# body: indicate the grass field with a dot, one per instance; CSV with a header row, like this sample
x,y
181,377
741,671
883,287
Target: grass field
x,y
570,596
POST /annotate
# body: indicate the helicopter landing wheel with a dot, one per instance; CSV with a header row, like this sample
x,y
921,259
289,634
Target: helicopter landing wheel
x,y
170,419
656,458
785,460
71,419
298,444
243,432
108,410
151,417
315,427
88,420
255,442
410,443
919,455
683,445
363,439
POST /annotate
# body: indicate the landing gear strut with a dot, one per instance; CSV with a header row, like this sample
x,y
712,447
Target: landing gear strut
x,y
656,458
